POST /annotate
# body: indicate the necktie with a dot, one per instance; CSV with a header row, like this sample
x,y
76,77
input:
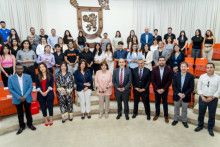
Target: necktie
x,y
121,78
140,74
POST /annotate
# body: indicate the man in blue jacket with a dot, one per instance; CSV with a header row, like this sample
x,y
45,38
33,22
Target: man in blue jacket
x,y
146,38
20,86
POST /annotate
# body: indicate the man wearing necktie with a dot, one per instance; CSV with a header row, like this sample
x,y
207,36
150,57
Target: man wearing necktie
x,y
141,81
122,83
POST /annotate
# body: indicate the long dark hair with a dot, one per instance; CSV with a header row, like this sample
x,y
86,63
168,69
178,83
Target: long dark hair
x,y
12,43
86,65
130,33
100,50
40,74
173,52
111,50
65,36
143,51
185,38
22,44
2,50
133,49
16,36
132,41
63,62
119,34
200,34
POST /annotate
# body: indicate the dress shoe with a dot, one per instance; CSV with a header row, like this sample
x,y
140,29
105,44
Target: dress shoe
x,y
174,123
198,129
185,124
63,121
118,116
88,116
211,133
20,130
148,117
134,116
32,127
127,117
166,119
83,116
155,117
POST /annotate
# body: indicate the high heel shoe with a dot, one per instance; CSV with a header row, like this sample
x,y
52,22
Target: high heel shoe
x,y
46,124
51,124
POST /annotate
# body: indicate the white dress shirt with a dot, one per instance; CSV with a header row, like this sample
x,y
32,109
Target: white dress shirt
x,y
20,81
99,57
209,85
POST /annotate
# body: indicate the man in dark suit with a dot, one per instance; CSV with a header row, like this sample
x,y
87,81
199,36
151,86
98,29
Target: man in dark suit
x,y
122,83
183,86
161,80
141,82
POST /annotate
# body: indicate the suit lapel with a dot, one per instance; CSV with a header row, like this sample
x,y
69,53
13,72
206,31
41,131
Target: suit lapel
x,y
17,82
179,81
186,80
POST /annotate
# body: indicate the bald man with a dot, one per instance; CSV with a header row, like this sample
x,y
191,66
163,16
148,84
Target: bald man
x,y
146,38
122,79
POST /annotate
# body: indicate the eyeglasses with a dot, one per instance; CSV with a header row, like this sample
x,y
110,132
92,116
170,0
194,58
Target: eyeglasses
x,y
208,84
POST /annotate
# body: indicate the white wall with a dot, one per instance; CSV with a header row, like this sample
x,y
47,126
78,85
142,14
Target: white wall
x,y
61,15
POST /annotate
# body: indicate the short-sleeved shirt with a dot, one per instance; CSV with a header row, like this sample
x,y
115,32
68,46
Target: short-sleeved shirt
x,y
120,54
197,42
173,36
182,41
5,33
71,55
88,56
59,59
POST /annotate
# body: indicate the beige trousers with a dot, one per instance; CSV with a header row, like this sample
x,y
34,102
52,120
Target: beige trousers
x,y
209,54
102,99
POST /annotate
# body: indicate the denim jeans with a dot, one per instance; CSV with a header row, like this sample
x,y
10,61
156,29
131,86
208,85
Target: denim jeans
x,y
211,109
56,70
82,46
196,53
71,69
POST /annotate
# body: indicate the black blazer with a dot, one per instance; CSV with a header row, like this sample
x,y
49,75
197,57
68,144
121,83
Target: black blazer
x,y
166,80
187,89
49,84
145,79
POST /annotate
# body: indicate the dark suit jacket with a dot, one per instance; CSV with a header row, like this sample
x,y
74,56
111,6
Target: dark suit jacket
x,y
49,84
126,82
145,79
187,89
166,80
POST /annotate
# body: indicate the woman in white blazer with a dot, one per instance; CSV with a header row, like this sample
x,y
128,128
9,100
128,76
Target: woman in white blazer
x,y
147,56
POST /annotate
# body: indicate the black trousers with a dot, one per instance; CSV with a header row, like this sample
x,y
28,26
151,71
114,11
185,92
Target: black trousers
x,y
145,100
44,104
50,70
27,107
121,96
9,71
31,71
96,67
164,100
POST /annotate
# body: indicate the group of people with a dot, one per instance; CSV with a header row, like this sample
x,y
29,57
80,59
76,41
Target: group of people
x,y
72,62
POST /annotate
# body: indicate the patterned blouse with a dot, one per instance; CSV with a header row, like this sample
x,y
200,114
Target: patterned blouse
x,y
64,82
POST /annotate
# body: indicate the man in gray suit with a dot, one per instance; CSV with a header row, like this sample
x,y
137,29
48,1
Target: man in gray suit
x,y
122,79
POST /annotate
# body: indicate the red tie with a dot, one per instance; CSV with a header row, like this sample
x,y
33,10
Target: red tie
x,y
121,78
140,74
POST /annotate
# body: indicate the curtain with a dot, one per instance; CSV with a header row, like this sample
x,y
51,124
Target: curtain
x,y
22,14
187,15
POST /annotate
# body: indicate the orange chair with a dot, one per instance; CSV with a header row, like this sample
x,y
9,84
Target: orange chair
x,y
189,51
190,62
200,64
216,53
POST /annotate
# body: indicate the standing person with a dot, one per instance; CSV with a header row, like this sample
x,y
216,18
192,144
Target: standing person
x,y
59,58
42,33
71,57
53,39
64,85
33,43
169,46
83,80
36,37
197,41
134,40
116,39
209,91
45,94
156,36
183,86
98,57
146,38
15,47
108,55
121,53
160,52
103,82
104,41
169,34
47,58
88,56
147,57
67,37
7,64
80,41
208,43
63,46
161,80
20,86
41,46
154,46
141,78
129,39
133,56
122,79
27,57
182,41
1,40
13,35
4,32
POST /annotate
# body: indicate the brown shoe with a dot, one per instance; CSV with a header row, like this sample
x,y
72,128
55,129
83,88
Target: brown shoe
x,y
155,118
166,119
